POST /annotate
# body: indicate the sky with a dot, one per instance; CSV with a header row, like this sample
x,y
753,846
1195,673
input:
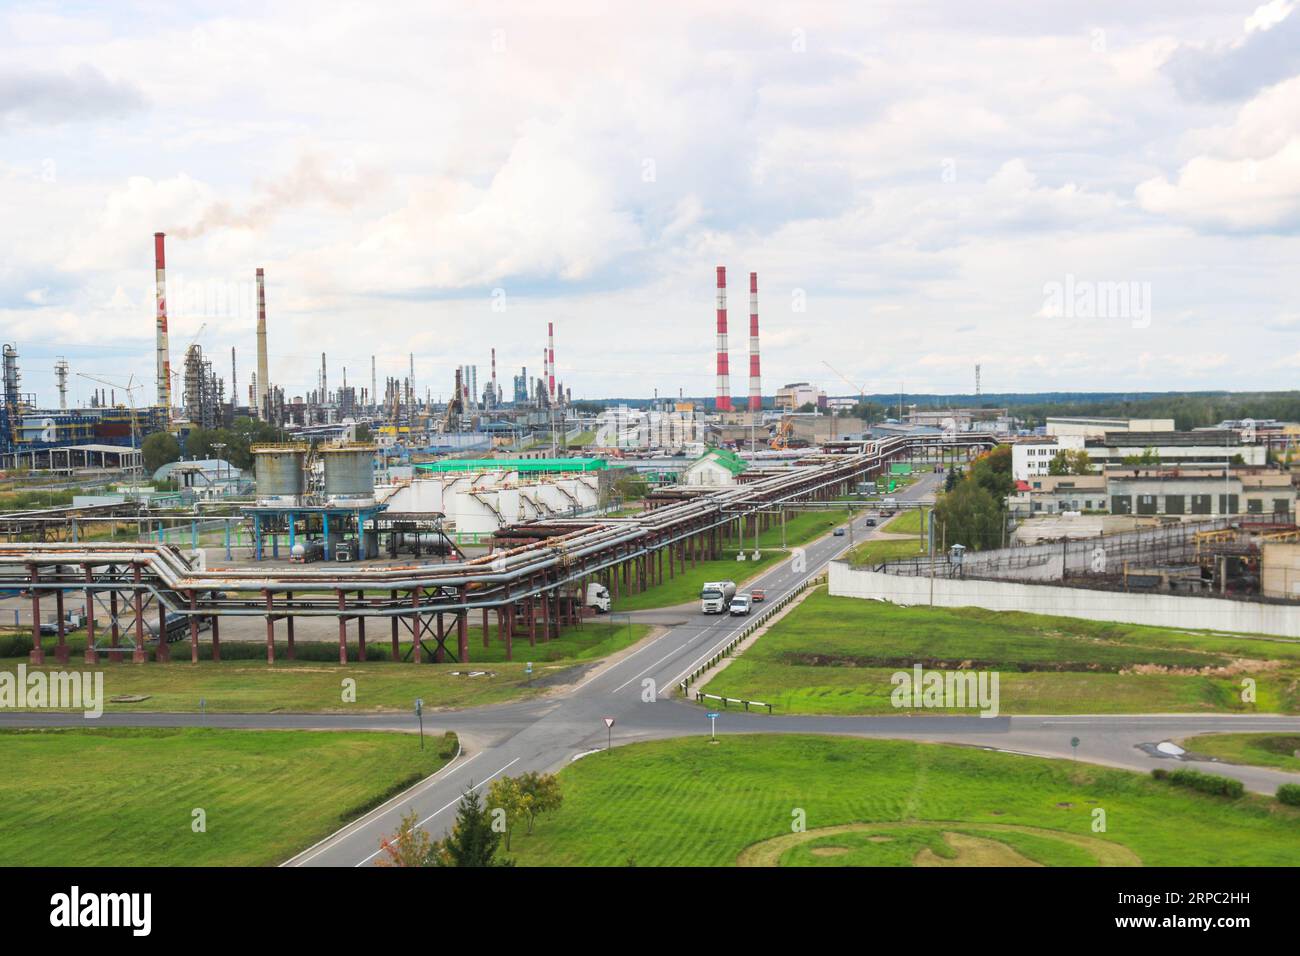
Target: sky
x,y
1094,196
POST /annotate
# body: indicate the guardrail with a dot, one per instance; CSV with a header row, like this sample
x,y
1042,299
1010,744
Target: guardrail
x,y
744,633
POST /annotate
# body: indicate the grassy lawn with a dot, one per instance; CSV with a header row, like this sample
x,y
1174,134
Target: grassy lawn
x,y
888,549
248,685
908,522
688,803
118,797
834,655
1262,750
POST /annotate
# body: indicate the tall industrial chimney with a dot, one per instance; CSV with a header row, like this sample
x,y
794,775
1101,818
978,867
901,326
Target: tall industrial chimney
x,y
234,383
374,395
164,353
263,373
324,382
550,360
494,376
723,403
755,385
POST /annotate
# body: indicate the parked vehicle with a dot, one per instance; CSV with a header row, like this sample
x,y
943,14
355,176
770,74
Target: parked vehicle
x,y
757,594
597,597
740,605
716,595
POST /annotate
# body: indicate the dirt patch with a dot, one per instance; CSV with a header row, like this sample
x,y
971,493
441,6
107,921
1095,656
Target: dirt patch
x,y
973,851
829,850
769,852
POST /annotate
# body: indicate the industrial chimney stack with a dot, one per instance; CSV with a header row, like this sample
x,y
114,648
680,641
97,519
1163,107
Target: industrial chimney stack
x,y
723,403
755,385
164,353
263,374
550,360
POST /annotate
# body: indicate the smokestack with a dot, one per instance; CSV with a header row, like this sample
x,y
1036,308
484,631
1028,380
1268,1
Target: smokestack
x,y
723,403
324,382
494,376
263,373
550,359
234,383
164,352
755,386
374,395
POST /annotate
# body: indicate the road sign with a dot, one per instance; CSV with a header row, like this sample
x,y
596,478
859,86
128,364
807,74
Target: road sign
x,y
713,724
528,668
419,712
712,715
609,733
609,721
1074,745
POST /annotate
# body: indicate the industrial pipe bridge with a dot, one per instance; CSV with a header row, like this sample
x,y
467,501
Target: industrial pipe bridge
x,y
532,581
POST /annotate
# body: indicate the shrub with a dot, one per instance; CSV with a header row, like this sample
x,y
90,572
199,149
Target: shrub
x,y
1204,782
1289,793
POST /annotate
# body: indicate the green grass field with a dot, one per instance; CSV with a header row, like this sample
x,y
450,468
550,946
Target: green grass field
x,y
119,797
689,803
835,655
907,522
1262,750
887,549
250,686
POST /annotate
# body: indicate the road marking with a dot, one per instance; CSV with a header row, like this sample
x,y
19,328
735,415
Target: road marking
x,y
452,804
379,810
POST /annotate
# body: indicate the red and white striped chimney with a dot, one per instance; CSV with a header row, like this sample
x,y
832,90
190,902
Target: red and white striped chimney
x,y
164,352
723,403
550,359
755,386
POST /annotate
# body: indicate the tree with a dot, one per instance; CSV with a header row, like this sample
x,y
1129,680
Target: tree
x,y
473,842
1148,457
992,472
542,791
506,799
968,515
159,449
1069,461
409,846
955,474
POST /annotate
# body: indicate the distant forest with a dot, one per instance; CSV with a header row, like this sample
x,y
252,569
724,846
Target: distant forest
x,y
1187,409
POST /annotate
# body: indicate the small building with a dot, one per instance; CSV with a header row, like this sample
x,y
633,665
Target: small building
x,y
1058,494
1032,457
1097,427
1199,491
717,467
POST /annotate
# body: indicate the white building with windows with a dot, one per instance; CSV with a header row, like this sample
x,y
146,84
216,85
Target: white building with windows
x,y
1031,457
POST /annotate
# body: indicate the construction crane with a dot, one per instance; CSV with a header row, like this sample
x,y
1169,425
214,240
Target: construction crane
x,y
130,388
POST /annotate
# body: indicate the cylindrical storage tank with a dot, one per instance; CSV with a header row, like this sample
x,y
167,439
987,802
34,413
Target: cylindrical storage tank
x,y
349,474
279,472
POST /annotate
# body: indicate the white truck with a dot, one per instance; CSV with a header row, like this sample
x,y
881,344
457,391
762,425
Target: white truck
x,y
716,596
597,597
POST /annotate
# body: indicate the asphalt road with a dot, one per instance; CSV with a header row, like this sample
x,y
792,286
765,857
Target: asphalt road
x,y
549,733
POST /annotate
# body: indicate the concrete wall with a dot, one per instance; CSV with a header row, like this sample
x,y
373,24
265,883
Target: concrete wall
x,y
1165,610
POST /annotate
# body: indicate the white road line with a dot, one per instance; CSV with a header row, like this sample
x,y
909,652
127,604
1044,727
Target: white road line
x,y
377,811
441,809
602,673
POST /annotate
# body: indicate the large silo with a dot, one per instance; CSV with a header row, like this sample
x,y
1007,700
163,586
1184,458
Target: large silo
x,y
280,476
349,474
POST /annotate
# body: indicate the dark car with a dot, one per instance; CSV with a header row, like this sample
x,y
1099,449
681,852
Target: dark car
x,y
871,522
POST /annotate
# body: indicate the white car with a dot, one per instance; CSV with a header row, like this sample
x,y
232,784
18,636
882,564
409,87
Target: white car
x,y
740,605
